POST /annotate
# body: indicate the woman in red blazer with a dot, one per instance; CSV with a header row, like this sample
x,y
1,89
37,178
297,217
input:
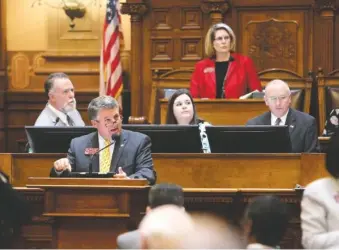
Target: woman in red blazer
x,y
224,74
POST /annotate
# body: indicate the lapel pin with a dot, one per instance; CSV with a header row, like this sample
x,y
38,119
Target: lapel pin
x,y
291,126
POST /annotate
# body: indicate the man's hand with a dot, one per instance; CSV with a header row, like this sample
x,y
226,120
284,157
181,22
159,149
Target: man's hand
x,y
121,174
62,164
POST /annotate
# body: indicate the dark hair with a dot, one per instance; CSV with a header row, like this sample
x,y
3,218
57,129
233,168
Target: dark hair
x,y
170,114
165,194
332,155
50,81
269,218
101,102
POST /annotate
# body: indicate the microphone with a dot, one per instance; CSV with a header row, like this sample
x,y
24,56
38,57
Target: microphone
x,y
90,168
56,121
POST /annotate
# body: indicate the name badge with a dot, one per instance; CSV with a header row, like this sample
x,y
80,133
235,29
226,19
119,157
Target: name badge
x,y
209,70
91,151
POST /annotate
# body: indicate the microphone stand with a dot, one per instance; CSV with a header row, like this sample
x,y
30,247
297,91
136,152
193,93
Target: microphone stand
x,y
90,173
90,167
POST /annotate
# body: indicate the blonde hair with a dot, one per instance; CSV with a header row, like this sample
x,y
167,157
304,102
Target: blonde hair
x,y
210,36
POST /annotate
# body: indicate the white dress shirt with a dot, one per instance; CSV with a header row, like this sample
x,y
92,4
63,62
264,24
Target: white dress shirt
x,y
320,214
61,115
283,119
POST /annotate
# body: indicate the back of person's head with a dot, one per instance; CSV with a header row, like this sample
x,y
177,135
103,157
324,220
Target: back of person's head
x,y
212,232
332,155
50,81
165,227
165,194
267,218
210,37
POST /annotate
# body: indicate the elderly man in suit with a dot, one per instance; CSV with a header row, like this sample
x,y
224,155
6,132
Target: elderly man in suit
x,y
124,153
159,195
302,127
61,107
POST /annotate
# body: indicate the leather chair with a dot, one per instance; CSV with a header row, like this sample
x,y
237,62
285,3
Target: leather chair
x,y
300,86
328,95
163,86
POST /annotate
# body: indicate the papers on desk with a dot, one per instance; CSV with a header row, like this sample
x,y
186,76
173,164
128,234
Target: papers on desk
x,y
248,95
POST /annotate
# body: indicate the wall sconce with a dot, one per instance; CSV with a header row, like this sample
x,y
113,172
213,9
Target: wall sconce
x,y
72,8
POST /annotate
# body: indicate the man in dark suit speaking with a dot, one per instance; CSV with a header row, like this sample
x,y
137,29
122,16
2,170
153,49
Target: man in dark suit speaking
x,y
127,154
302,127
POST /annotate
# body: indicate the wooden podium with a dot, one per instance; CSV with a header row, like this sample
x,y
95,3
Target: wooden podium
x,y
91,213
223,111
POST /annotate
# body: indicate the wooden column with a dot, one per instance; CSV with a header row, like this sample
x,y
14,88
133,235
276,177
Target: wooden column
x,y
3,74
216,9
136,9
324,39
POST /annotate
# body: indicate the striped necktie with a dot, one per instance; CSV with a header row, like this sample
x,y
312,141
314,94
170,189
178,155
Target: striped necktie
x,y
105,159
70,121
277,122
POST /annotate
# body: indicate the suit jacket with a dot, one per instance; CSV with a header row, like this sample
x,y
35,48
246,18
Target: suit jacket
x,y
48,118
129,240
320,214
241,78
132,152
302,127
14,211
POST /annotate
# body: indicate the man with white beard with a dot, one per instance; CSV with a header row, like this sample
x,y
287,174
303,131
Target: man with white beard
x,y
61,107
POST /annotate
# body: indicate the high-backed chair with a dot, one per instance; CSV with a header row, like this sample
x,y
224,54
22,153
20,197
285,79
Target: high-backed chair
x,y
328,95
300,86
163,84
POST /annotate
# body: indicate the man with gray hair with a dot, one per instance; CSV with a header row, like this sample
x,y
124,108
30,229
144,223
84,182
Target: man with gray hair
x,y
302,127
61,107
127,154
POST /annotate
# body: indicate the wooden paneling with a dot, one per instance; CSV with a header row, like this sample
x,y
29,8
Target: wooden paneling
x,y
228,203
202,170
274,34
222,112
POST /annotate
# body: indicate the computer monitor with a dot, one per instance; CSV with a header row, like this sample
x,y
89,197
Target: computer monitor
x,y
165,138
53,139
171,138
249,139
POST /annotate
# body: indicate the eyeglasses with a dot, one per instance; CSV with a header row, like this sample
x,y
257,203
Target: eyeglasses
x,y
276,98
111,121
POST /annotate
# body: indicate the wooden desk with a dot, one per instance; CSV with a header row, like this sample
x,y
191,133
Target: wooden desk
x,y
197,170
83,210
222,111
228,203
212,183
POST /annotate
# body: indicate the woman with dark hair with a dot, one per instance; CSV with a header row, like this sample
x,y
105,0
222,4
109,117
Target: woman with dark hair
x,y
320,205
181,109
224,74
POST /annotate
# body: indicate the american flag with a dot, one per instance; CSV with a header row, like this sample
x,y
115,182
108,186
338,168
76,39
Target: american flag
x,y
110,64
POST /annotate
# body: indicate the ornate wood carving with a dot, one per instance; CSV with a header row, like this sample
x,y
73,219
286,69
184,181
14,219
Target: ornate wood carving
x,y
326,7
162,49
191,18
191,48
273,43
216,9
135,10
160,19
19,71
